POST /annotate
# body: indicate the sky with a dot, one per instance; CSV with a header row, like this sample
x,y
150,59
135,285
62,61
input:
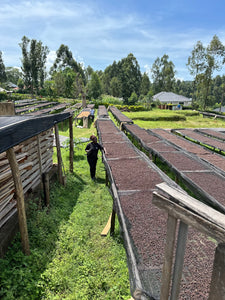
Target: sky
x,y
99,32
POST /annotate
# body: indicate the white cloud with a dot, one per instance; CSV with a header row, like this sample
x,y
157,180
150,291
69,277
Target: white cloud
x,y
96,36
43,9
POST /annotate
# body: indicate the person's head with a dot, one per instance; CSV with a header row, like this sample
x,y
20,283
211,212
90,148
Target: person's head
x,y
93,138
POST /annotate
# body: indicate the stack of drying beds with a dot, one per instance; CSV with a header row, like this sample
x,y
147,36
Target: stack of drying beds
x,y
207,184
206,140
27,107
38,108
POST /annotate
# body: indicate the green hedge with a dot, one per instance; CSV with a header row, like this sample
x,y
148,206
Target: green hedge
x,y
3,96
189,113
161,118
133,108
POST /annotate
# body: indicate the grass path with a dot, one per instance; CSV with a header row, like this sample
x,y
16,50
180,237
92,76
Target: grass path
x,y
69,258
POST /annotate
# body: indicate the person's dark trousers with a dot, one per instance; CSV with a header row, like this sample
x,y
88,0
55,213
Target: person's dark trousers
x,y
92,162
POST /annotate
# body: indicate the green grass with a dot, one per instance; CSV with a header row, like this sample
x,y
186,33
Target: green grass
x,y
69,258
196,121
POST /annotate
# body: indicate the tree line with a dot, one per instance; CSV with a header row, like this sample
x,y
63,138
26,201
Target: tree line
x,y
122,79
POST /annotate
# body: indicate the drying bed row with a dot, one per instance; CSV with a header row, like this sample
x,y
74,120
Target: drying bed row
x,y
120,117
135,179
213,133
201,139
214,159
189,168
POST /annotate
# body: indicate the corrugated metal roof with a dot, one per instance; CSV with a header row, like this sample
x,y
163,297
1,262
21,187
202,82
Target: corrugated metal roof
x,y
170,97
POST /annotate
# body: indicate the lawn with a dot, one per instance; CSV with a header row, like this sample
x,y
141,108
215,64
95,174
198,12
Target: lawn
x,y
196,121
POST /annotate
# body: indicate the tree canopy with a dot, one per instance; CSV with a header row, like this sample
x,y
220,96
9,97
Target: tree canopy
x,y
33,63
3,76
202,63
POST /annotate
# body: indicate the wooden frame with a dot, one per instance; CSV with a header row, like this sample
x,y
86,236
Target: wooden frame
x,y
205,219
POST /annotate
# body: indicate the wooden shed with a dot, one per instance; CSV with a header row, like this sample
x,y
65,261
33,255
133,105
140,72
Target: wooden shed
x,y
26,148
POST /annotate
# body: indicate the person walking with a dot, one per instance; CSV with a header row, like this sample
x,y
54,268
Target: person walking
x,y
92,154
92,114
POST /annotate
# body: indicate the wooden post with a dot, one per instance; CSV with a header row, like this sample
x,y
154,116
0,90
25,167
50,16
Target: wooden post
x,y
59,156
168,259
106,178
217,288
46,188
20,200
85,122
179,260
113,217
71,143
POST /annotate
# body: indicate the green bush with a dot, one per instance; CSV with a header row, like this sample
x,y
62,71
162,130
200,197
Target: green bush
x,y
189,113
161,118
3,96
133,108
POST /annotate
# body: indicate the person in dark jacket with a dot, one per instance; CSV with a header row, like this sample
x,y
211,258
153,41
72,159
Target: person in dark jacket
x,y
92,154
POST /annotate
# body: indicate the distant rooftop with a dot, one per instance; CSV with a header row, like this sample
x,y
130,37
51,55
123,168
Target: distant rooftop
x,y
170,97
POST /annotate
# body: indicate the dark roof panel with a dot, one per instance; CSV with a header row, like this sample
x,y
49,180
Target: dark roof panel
x,y
16,129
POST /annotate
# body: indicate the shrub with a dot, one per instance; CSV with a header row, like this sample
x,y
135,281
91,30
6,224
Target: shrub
x,y
161,118
133,108
3,96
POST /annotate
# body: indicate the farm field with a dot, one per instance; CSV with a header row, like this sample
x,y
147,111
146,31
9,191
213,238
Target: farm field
x,y
69,259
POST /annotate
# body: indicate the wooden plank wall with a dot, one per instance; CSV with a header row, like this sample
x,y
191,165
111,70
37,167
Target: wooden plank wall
x,y
28,160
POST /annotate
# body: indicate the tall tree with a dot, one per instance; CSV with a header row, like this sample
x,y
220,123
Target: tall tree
x,y
202,64
115,87
94,86
168,73
145,84
130,76
88,71
163,74
64,59
112,71
33,63
196,65
3,76
157,76
13,74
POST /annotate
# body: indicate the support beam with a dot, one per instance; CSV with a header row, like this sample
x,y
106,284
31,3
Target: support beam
x,y
113,218
45,178
217,288
71,143
59,156
39,157
85,122
179,260
168,259
20,200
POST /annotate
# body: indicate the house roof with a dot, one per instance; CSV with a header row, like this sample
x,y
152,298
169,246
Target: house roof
x,y
2,90
170,97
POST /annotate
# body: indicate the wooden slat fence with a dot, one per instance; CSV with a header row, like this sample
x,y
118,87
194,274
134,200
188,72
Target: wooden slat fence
x,y
28,161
